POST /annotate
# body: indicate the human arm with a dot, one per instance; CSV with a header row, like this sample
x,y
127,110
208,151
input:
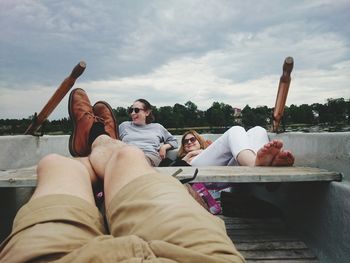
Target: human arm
x,y
169,142
163,149
189,156
168,138
122,129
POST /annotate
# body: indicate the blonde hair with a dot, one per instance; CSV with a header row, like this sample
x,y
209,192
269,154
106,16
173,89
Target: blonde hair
x,y
202,142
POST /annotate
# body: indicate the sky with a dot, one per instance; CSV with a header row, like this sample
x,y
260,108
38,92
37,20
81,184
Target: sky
x,y
172,51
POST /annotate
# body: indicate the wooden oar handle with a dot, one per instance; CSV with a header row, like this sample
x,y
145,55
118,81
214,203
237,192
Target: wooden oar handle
x,y
78,70
287,68
282,93
56,98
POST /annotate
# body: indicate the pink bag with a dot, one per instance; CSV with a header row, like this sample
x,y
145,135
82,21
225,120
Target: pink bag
x,y
214,207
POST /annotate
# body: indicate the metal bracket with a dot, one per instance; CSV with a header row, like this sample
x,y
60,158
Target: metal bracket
x,y
40,131
187,180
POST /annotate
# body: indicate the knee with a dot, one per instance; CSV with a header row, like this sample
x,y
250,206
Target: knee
x,y
236,130
102,140
50,160
129,152
126,154
258,130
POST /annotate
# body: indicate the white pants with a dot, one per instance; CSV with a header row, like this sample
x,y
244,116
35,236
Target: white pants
x,y
224,150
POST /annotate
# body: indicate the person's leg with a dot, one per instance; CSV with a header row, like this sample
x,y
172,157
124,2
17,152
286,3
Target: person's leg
x,y
157,209
123,167
61,175
226,147
235,143
257,138
259,152
103,149
59,218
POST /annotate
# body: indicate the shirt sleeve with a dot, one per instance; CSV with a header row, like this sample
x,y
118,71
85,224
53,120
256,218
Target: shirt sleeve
x,y
168,137
121,130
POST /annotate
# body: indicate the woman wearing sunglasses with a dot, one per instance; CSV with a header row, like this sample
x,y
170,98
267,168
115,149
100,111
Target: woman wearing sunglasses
x,y
152,138
235,147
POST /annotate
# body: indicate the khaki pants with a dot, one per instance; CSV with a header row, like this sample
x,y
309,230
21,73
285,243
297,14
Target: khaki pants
x,y
152,219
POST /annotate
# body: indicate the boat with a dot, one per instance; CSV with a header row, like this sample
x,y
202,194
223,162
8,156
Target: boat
x,y
288,214
315,208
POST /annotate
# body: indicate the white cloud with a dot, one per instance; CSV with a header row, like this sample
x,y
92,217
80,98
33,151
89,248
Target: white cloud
x,y
227,51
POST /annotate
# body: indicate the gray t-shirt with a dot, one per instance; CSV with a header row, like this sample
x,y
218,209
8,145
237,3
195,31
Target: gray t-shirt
x,y
147,137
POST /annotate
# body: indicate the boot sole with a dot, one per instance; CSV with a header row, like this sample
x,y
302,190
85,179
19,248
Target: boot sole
x,y
73,135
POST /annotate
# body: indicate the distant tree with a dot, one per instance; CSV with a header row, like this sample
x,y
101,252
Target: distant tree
x,y
253,117
337,109
121,114
190,106
320,112
192,116
228,114
202,120
215,115
347,117
219,114
179,115
66,125
262,116
248,117
165,117
301,114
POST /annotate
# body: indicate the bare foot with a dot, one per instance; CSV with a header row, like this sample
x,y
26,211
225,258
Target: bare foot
x,y
267,153
283,158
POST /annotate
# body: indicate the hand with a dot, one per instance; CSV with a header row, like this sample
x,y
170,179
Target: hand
x,y
189,156
162,151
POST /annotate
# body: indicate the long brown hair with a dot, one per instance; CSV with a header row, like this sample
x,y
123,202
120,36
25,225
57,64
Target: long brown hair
x,y
203,144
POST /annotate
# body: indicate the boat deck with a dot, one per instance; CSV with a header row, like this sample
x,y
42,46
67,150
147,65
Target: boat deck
x,y
259,232
26,177
256,228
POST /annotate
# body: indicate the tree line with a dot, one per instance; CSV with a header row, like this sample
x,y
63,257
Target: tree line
x,y
217,118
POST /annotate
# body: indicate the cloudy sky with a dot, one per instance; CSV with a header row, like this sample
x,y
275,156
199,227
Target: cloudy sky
x,y
172,51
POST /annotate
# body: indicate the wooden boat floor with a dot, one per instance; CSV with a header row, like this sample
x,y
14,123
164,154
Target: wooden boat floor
x,y
259,232
26,177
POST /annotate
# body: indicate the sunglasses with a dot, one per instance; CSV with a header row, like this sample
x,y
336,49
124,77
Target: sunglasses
x,y
190,140
136,110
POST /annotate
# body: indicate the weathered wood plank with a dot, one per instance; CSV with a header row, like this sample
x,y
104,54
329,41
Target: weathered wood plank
x,y
258,232
253,226
261,238
26,177
241,220
244,174
274,245
283,261
279,254
266,240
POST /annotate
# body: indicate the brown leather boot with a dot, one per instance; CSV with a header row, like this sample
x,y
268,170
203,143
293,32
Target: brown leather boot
x,y
81,114
104,113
